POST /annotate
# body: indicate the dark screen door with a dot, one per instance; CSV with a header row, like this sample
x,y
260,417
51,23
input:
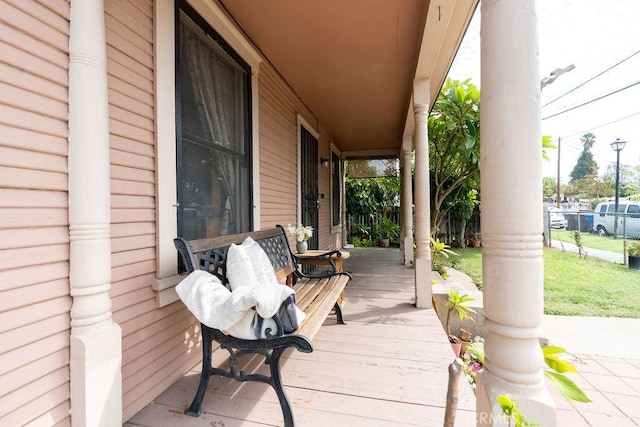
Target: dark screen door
x,y
309,183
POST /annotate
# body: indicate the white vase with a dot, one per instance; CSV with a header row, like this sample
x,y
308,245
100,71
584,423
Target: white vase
x,y
301,247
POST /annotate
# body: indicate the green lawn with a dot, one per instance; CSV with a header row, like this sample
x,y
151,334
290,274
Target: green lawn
x,y
574,286
606,243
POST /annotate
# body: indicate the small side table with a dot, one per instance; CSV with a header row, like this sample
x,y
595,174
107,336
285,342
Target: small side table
x,y
307,258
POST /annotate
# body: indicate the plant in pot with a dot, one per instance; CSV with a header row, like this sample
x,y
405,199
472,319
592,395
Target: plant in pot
x,y
633,251
459,303
474,239
387,230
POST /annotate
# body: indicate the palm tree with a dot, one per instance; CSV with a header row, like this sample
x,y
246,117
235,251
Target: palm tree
x,y
588,139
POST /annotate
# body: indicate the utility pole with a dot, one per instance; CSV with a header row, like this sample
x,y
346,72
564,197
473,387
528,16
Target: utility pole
x,y
544,82
558,180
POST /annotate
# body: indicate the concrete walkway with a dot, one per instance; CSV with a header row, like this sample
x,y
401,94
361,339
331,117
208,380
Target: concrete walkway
x,y
590,252
606,353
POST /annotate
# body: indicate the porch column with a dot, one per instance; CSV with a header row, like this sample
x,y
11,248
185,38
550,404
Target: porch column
x,y
407,200
511,183
96,354
423,212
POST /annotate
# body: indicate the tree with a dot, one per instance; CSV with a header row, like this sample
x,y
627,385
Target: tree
x,y
585,166
591,187
462,208
588,139
547,145
454,146
634,186
628,179
549,186
372,196
360,168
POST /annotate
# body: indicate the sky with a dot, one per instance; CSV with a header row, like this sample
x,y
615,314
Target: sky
x,y
594,35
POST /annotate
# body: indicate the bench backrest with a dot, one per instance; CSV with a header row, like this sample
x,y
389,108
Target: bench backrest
x,y
211,254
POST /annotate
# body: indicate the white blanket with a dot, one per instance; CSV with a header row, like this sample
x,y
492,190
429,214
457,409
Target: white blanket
x,y
231,312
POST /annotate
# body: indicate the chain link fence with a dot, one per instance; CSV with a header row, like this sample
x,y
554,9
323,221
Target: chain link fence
x,y
602,233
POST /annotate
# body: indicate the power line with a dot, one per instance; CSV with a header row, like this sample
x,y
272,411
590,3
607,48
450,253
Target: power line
x,y
602,125
592,78
592,100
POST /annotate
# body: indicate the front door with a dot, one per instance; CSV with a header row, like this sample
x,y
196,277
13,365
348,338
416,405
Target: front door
x,y
309,183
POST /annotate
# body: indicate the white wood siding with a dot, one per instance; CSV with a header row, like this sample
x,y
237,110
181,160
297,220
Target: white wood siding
x,y
34,236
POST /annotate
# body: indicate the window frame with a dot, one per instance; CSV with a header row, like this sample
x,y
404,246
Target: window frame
x,y
190,12
165,130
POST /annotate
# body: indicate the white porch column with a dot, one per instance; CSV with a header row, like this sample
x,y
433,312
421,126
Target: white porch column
x,y
407,200
96,355
423,211
511,183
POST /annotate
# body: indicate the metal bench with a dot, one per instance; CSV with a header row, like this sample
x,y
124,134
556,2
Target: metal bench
x,y
317,295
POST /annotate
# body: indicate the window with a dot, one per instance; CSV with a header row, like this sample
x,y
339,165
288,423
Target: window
x,y
213,133
336,181
603,210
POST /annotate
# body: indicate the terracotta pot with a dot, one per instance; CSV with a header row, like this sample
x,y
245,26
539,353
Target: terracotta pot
x,y
456,345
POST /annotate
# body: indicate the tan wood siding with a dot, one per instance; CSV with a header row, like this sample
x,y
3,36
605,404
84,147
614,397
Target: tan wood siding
x,y
279,108
156,342
34,236
278,150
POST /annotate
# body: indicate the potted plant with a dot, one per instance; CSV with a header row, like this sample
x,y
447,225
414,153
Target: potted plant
x,y
459,303
302,234
387,230
633,250
474,238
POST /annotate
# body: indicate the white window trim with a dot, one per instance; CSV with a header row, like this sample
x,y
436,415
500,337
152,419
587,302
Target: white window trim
x,y
165,119
336,228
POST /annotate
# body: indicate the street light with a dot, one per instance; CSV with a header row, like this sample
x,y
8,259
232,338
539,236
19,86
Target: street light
x,y
617,145
547,81
555,74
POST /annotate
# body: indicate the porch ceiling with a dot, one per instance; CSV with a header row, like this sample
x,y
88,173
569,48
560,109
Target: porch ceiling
x,y
353,62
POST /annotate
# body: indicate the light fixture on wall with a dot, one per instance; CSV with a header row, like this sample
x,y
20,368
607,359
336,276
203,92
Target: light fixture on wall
x,y
324,162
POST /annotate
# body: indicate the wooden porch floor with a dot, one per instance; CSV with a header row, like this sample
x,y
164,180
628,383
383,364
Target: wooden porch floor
x,y
386,367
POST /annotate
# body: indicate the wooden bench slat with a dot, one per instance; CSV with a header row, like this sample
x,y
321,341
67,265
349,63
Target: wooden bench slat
x,y
318,312
307,291
315,296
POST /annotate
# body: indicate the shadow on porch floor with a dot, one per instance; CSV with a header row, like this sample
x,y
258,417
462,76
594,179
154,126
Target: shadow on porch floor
x,y
386,367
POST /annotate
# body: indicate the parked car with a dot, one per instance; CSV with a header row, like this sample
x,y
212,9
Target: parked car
x,y
628,219
556,218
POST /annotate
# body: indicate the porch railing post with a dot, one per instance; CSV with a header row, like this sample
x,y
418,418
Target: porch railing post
x,y
423,212
96,341
511,185
407,200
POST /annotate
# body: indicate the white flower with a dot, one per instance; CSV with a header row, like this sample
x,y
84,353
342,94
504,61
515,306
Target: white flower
x,y
302,233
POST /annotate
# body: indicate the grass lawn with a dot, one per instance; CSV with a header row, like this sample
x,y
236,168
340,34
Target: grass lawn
x,y
574,286
606,243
